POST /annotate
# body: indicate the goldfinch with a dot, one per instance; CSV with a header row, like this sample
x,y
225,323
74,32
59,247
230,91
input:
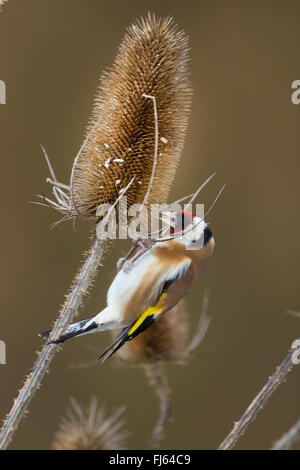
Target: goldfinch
x,y
156,282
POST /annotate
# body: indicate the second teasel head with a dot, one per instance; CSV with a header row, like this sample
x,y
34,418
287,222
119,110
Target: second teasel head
x,y
90,429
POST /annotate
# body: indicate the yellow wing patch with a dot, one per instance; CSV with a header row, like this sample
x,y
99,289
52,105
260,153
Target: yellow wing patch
x,y
147,313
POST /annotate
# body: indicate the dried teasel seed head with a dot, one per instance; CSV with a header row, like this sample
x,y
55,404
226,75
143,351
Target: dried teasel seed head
x,y
90,429
166,340
152,60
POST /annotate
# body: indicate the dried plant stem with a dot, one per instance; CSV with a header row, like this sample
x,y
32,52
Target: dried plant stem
x,y
80,287
159,382
289,438
259,401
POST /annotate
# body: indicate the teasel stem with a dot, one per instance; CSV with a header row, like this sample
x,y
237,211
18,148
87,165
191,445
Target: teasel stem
x,y
289,438
159,382
80,286
261,399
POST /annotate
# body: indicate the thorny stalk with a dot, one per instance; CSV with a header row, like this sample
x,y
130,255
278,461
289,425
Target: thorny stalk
x,y
79,288
260,400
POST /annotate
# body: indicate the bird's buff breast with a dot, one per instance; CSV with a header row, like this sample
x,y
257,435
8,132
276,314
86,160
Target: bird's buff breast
x,y
127,293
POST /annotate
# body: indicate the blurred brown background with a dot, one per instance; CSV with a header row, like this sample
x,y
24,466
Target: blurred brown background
x,y
245,56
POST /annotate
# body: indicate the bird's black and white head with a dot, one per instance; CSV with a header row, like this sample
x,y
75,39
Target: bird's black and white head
x,y
189,229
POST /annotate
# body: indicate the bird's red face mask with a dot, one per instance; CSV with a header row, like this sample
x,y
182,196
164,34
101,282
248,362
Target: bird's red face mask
x,y
178,221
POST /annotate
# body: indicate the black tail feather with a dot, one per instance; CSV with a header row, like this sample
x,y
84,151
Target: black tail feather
x,y
119,341
74,332
124,337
